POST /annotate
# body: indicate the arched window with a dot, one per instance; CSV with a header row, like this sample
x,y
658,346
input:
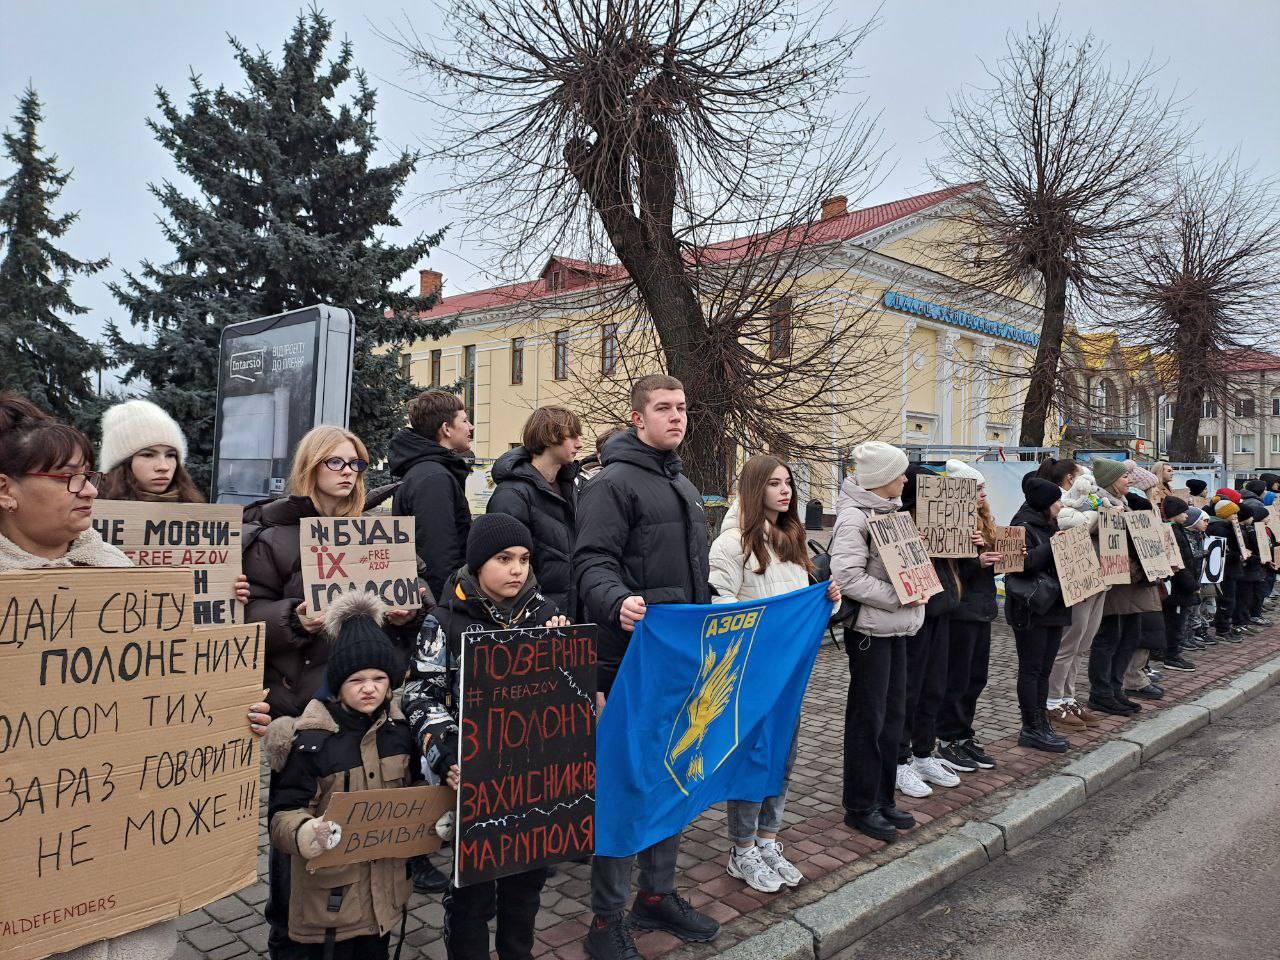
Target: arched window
x,y
1275,402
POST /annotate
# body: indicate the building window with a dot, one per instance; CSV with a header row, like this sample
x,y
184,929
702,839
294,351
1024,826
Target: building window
x,y
469,381
1275,443
435,368
1209,446
517,361
406,365
555,280
560,355
1242,443
1275,404
780,328
1209,410
608,349
1168,412
1244,407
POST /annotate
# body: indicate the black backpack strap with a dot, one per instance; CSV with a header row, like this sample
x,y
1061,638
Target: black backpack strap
x,y
333,906
404,920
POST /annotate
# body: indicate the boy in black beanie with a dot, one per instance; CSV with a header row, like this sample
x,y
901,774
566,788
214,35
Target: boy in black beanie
x,y
358,739
495,590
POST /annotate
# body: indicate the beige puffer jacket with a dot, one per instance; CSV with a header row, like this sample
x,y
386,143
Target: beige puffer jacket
x,y
733,573
857,569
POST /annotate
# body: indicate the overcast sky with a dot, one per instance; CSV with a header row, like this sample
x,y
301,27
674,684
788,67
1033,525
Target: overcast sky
x,y
96,66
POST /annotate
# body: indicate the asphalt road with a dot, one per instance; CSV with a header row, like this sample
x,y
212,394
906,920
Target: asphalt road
x,y
1179,861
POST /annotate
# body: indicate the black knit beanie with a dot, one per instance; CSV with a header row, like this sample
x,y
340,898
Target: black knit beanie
x,y
1256,487
490,535
1041,494
1173,506
1197,487
353,624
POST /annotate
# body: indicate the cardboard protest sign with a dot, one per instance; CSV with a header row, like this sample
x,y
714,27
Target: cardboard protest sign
x,y
901,549
346,554
528,720
130,786
1113,546
1200,502
202,536
1156,496
1078,572
1272,525
1148,540
1215,559
376,824
1011,544
1182,493
1238,532
1171,551
947,513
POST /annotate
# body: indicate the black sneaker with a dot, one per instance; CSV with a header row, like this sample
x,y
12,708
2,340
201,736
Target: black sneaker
x,y
1262,621
427,879
1207,640
973,750
1231,637
953,755
672,914
1036,739
1180,664
1131,705
900,819
1150,692
874,824
1109,705
611,941
1190,643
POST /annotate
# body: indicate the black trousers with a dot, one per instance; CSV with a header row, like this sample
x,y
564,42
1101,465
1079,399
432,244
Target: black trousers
x,y
1118,637
1222,620
1260,593
968,666
513,900
873,716
1037,647
1175,618
357,948
926,687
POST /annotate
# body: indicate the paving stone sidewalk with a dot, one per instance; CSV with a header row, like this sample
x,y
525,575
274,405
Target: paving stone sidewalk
x,y
827,852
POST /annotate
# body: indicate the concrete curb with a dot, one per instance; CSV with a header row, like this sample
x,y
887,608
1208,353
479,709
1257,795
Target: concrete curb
x,y
823,928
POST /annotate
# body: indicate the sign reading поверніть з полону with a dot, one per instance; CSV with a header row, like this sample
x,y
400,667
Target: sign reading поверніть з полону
x,y
958,318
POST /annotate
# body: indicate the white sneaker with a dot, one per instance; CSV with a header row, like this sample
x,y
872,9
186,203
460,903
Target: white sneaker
x,y
909,782
751,869
771,854
932,770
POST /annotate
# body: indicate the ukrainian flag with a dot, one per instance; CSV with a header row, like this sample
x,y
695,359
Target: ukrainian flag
x,y
703,710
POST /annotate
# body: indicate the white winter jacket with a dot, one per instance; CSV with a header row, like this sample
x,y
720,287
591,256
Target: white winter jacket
x,y
733,573
861,575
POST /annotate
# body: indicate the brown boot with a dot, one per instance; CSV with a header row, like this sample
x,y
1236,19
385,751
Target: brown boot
x,y
1064,721
1086,717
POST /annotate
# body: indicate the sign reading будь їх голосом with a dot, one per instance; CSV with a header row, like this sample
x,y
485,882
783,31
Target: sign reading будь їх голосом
x,y
958,318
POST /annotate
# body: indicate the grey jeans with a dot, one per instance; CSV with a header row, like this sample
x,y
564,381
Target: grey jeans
x,y
746,818
611,877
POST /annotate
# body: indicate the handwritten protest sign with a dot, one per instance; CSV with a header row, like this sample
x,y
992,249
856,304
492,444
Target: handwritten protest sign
x,y
1113,546
1148,541
202,536
1271,527
1171,551
130,786
902,551
345,554
1182,493
528,719
1238,532
1011,544
1195,501
947,512
1078,572
385,823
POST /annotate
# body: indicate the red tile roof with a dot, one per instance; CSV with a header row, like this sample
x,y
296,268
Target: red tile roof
x,y
1252,361
844,227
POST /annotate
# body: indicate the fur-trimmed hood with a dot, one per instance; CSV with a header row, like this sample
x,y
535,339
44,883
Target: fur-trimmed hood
x,y
278,740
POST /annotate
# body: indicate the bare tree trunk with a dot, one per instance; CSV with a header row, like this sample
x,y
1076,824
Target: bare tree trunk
x,y
1194,342
1044,373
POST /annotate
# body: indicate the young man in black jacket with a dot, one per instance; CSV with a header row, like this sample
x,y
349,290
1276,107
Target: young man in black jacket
x,y
642,539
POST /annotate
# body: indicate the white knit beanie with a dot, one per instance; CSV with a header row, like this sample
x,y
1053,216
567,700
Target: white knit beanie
x,y
133,425
876,464
962,471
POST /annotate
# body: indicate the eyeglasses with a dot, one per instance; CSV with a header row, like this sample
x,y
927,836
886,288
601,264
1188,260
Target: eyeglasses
x,y
337,463
75,481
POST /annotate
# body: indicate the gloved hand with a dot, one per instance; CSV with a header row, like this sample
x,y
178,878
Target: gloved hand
x,y
318,836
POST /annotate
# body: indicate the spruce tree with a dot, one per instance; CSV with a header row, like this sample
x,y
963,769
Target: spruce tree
x,y
286,213
41,356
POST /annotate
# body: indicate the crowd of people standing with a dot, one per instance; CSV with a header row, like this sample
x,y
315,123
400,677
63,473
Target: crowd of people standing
x,y
368,697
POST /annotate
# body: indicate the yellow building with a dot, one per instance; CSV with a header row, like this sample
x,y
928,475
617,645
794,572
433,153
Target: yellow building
x,y
551,339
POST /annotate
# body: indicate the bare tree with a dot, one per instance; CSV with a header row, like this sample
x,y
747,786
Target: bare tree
x,y
656,132
1072,154
1202,285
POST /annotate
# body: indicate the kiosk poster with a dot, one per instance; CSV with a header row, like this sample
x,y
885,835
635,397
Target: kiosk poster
x,y
347,554
1113,546
1079,574
130,786
901,549
1148,540
1011,544
528,754
947,514
204,537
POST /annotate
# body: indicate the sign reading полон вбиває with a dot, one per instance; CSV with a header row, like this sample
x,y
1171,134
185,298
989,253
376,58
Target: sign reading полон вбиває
x,y
528,750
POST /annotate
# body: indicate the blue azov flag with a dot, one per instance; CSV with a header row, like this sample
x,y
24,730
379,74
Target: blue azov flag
x,y
703,710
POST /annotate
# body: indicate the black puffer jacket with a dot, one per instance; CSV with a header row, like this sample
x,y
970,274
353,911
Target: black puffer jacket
x,y
296,660
434,494
1185,583
548,511
1231,567
1040,530
641,532
978,600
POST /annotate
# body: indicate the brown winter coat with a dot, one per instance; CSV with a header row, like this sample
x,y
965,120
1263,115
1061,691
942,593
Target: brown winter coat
x,y
1139,595
313,757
